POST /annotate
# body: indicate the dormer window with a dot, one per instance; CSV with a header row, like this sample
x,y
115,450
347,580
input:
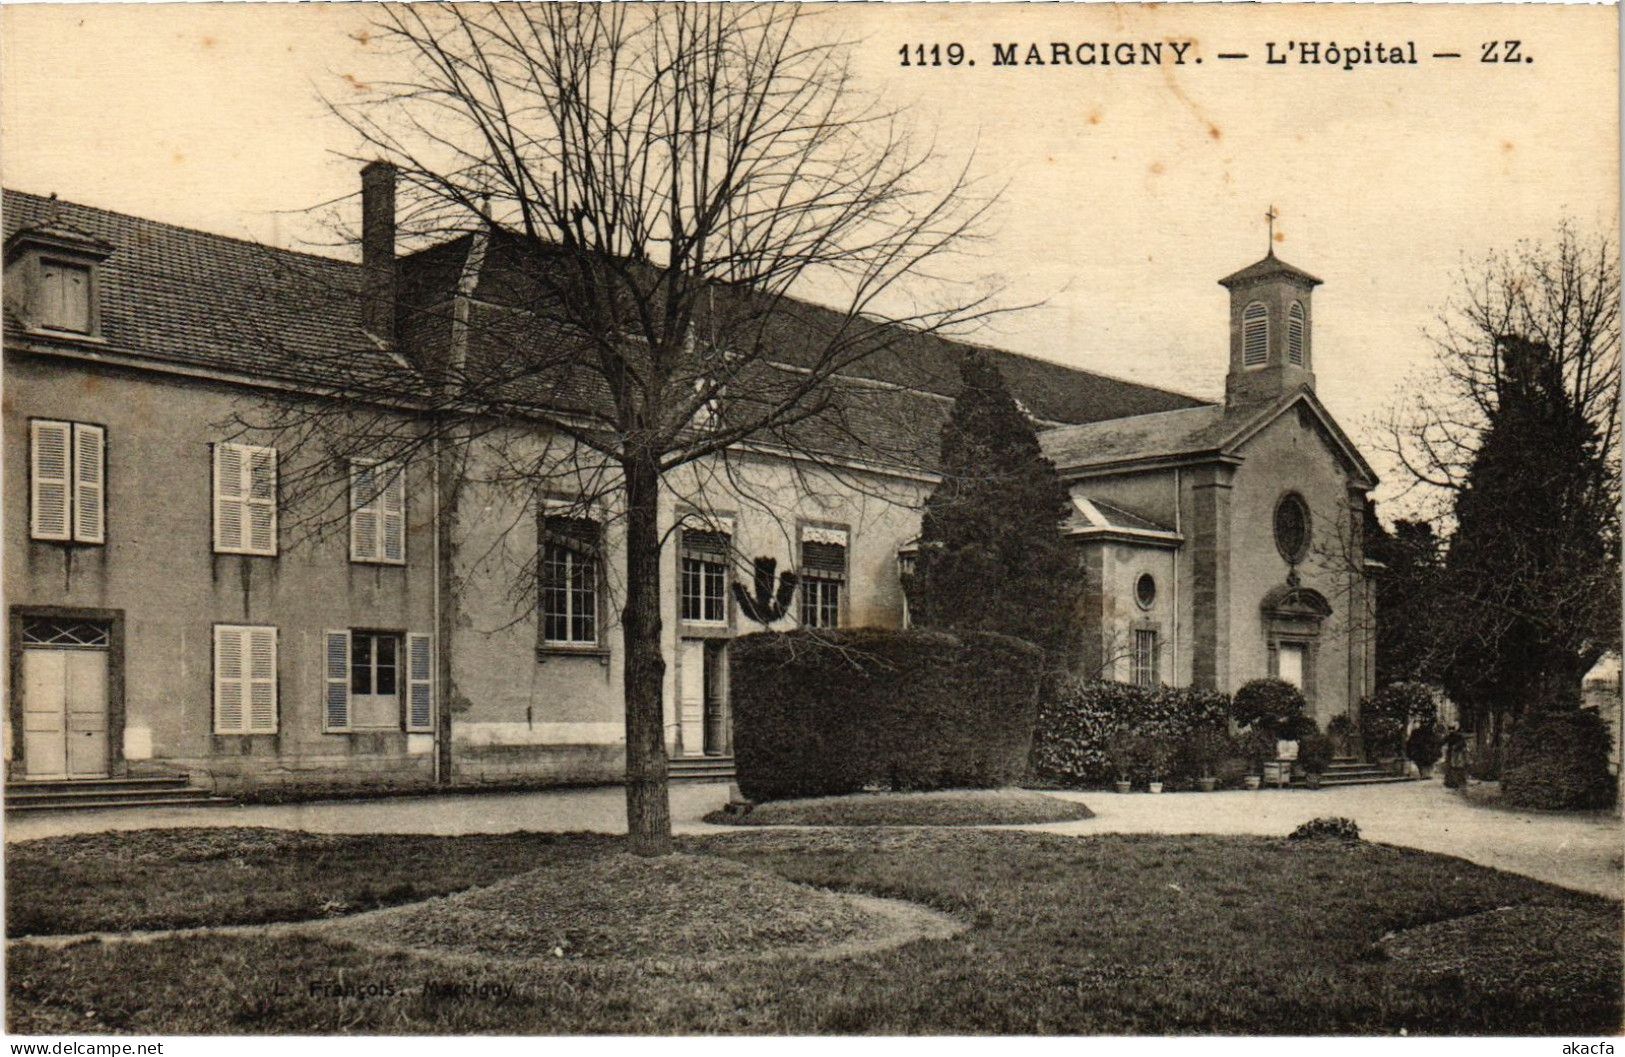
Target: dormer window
x,y
51,280
64,296
1294,334
1255,334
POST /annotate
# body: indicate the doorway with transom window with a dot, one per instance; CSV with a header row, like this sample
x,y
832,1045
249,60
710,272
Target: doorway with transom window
x,y
67,703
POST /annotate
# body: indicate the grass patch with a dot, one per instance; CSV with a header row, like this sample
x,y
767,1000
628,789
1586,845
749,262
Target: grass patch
x,y
953,807
619,906
1114,934
180,878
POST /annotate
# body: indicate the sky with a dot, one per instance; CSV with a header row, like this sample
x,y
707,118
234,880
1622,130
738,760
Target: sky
x,y
1129,189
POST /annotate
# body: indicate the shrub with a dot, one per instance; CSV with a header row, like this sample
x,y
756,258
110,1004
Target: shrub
x,y
1296,729
1123,753
1078,720
1422,747
830,712
1327,829
1161,753
1342,728
1559,760
1385,715
1256,746
1267,704
1315,753
1205,749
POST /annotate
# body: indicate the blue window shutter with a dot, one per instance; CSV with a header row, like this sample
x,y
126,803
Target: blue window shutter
x,y
336,713
420,683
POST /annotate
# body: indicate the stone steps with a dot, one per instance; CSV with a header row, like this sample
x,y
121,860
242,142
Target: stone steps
x,y
700,768
96,793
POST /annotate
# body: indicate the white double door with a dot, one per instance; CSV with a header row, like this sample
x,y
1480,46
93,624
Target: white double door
x,y
64,713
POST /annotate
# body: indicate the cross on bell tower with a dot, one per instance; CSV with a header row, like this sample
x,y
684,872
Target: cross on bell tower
x,y
1270,347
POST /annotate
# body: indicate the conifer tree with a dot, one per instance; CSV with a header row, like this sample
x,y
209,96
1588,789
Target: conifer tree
x,y
1533,564
991,553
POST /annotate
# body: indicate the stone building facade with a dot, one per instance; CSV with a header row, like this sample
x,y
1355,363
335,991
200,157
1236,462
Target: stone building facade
x,y
173,608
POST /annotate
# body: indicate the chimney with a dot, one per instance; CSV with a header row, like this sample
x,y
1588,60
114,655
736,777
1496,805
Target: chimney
x,y
378,250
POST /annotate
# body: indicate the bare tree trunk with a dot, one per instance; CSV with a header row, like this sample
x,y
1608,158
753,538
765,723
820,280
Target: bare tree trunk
x,y
648,813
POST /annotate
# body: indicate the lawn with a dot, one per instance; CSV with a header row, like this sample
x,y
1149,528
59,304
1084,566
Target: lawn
x,y
178,878
1110,934
953,807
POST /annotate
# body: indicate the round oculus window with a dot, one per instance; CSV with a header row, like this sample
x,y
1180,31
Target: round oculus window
x,y
1145,590
1292,527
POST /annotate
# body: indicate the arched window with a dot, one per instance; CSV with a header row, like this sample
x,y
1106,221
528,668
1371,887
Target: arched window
x,y
1294,334
1255,335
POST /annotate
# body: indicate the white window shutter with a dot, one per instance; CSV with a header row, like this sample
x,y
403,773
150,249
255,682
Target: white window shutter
x,y
420,683
228,497
261,499
50,487
89,463
261,649
363,513
230,690
393,508
336,703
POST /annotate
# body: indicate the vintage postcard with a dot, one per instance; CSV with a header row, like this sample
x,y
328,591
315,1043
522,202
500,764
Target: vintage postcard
x,y
952,519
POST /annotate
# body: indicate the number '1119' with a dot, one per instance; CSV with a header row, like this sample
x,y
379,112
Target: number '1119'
x,y
933,55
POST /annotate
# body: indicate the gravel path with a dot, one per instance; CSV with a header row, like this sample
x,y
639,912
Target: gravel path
x,y
1575,851
1580,851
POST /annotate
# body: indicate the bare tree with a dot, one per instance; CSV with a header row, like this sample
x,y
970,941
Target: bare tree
x,y
1513,446
1564,296
658,181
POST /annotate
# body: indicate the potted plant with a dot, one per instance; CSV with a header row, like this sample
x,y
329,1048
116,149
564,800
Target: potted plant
x,y
1205,747
1288,735
1159,754
1258,746
1266,703
1423,748
1314,756
1122,750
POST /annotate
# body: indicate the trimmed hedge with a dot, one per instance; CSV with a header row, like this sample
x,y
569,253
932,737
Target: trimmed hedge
x,y
832,712
1077,719
1559,760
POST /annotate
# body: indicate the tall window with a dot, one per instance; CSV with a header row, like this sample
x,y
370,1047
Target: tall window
x,y
703,591
1255,334
244,499
378,512
245,679
569,605
373,683
67,482
1294,334
823,576
1145,657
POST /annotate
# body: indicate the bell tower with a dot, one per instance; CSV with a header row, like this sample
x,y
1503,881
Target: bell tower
x,y
1271,333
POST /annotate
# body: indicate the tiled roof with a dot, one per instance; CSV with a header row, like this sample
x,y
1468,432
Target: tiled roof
x,y
1192,433
1165,434
181,296
1089,514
